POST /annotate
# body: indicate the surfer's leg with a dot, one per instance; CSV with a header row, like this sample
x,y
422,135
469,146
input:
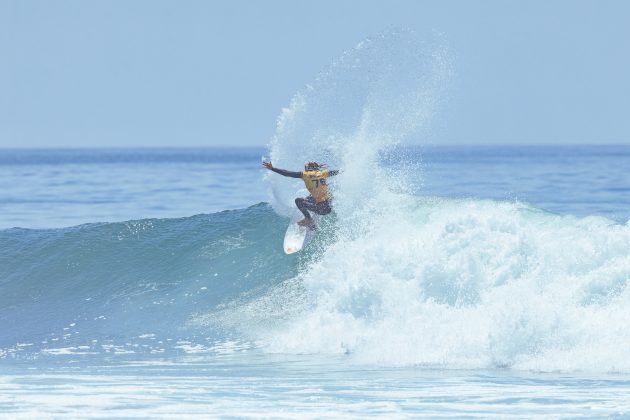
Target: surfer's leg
x,y
302,204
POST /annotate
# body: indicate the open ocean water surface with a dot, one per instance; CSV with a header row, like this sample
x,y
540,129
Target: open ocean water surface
x,y
139,283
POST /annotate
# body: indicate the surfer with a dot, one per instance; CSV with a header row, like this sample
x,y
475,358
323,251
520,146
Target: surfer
x,y
314,177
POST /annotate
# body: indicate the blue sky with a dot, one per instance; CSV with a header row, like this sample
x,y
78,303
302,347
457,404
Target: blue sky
x,y
209,73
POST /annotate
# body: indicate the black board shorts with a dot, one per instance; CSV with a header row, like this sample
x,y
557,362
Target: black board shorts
x,y
309,203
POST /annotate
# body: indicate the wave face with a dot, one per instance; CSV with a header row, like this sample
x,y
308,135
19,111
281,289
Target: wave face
x,y
105,284
453,283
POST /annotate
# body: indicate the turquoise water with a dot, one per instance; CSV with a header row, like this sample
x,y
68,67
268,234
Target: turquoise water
x,y
448,281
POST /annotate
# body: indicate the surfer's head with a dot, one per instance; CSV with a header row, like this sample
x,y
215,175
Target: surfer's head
x,y
313,166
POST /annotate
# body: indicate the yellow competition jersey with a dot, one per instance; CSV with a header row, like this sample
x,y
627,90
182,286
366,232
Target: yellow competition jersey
x,y
316,184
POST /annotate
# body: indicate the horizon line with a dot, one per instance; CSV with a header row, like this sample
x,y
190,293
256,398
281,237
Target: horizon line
x,y
190,147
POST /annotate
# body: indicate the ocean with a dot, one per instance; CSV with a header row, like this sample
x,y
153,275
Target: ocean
x,y
449,281
153,283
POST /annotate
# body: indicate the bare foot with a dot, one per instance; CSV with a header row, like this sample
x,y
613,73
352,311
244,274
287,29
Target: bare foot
x,y
305,222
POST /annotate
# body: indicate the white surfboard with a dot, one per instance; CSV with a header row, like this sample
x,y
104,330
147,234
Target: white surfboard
x,y
297,236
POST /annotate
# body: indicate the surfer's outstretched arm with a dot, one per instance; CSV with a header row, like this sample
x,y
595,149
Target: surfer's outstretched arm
x,y
282,172
333,172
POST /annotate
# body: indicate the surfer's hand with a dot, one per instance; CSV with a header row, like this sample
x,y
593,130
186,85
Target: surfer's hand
x,y
268,165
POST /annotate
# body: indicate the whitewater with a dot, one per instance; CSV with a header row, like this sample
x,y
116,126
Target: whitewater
x,y
448,282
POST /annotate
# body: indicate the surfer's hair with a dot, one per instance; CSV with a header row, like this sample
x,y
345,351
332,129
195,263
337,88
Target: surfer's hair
x,y
314,166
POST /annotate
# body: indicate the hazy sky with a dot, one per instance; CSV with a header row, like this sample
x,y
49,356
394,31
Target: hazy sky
x,y
205,73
